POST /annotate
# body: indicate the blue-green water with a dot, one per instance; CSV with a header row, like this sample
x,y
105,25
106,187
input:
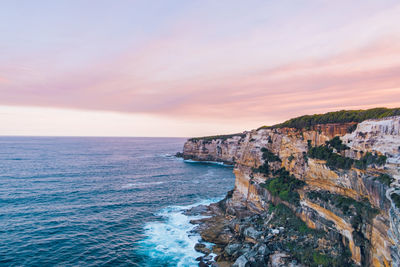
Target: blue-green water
x,y
100,201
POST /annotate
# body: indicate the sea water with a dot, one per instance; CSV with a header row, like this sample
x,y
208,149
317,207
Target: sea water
x,y
69,201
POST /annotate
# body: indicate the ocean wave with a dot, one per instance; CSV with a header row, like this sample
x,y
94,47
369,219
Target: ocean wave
x,y
140,185
172,240
208,162
167,155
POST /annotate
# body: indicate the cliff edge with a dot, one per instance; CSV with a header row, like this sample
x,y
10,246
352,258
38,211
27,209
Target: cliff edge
x,y
341,180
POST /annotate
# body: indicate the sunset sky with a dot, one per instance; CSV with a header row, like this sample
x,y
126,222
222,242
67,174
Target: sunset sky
x,y
191,68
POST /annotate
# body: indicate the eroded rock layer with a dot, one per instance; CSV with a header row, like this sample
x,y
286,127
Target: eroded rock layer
x,y
353,202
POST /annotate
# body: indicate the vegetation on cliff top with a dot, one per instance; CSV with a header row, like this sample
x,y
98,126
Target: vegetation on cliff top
x,y
307,121
342,116
215,137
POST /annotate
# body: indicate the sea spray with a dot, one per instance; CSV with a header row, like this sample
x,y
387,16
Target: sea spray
x,y
171,242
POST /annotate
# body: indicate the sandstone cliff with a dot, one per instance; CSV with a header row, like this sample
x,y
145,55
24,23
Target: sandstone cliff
x,y
369,221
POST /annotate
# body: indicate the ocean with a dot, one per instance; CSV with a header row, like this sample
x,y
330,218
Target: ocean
x,y
77,201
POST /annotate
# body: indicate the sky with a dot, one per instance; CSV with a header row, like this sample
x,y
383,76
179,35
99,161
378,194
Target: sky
x,y
191,67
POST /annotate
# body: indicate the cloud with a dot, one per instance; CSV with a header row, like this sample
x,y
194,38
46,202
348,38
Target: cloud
x,y
366,77
267,75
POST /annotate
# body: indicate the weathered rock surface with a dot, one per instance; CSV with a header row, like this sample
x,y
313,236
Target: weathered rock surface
x,y
372,242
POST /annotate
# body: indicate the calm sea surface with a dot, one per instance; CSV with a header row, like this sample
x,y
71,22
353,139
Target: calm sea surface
x,y
101,201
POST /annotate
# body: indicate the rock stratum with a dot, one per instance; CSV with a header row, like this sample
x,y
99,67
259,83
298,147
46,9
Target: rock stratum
x,y
324,195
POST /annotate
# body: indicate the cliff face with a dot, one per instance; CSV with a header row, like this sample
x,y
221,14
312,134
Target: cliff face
x,y
222,150
371,230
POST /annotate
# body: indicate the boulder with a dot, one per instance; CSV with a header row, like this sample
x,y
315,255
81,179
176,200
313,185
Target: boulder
x,y
240,262
232,248
202,248
252,233
198,210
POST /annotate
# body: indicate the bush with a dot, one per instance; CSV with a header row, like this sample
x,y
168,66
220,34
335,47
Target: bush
x,y
336,143
333,160
347,205
385,179
263,169
352,128
336,161
284,185
268,157
396,199
321,259
369,159
342,116
290,220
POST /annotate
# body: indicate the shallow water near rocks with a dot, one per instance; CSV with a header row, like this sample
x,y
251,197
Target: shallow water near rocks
x,y
101,201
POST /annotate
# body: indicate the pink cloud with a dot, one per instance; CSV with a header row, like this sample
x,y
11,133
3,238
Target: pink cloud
x,y
150,81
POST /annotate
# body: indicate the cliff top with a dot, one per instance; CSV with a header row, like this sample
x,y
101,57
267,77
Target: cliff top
x,y
213,137
308,121
342,116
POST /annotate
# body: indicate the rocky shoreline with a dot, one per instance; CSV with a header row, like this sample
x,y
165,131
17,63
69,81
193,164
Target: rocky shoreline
x,y
274,237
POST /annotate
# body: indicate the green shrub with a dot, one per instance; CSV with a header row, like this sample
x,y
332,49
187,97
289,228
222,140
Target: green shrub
x,y
385,179
352,128
396,199
342,116
290,220
264,169
337,161
333,160
269,156
369,159
347,205
337,144
284,185
321,259
284,195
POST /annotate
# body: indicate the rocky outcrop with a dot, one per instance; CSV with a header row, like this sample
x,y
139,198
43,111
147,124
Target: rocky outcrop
x,y
370,233
221,150
377,135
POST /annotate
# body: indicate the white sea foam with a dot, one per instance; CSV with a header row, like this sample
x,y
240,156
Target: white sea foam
x,y
172,240
167,155
207,162
140,185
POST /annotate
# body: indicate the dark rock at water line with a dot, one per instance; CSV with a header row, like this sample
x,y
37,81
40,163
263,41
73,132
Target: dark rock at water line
x,y
179,155
202,248
195,211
